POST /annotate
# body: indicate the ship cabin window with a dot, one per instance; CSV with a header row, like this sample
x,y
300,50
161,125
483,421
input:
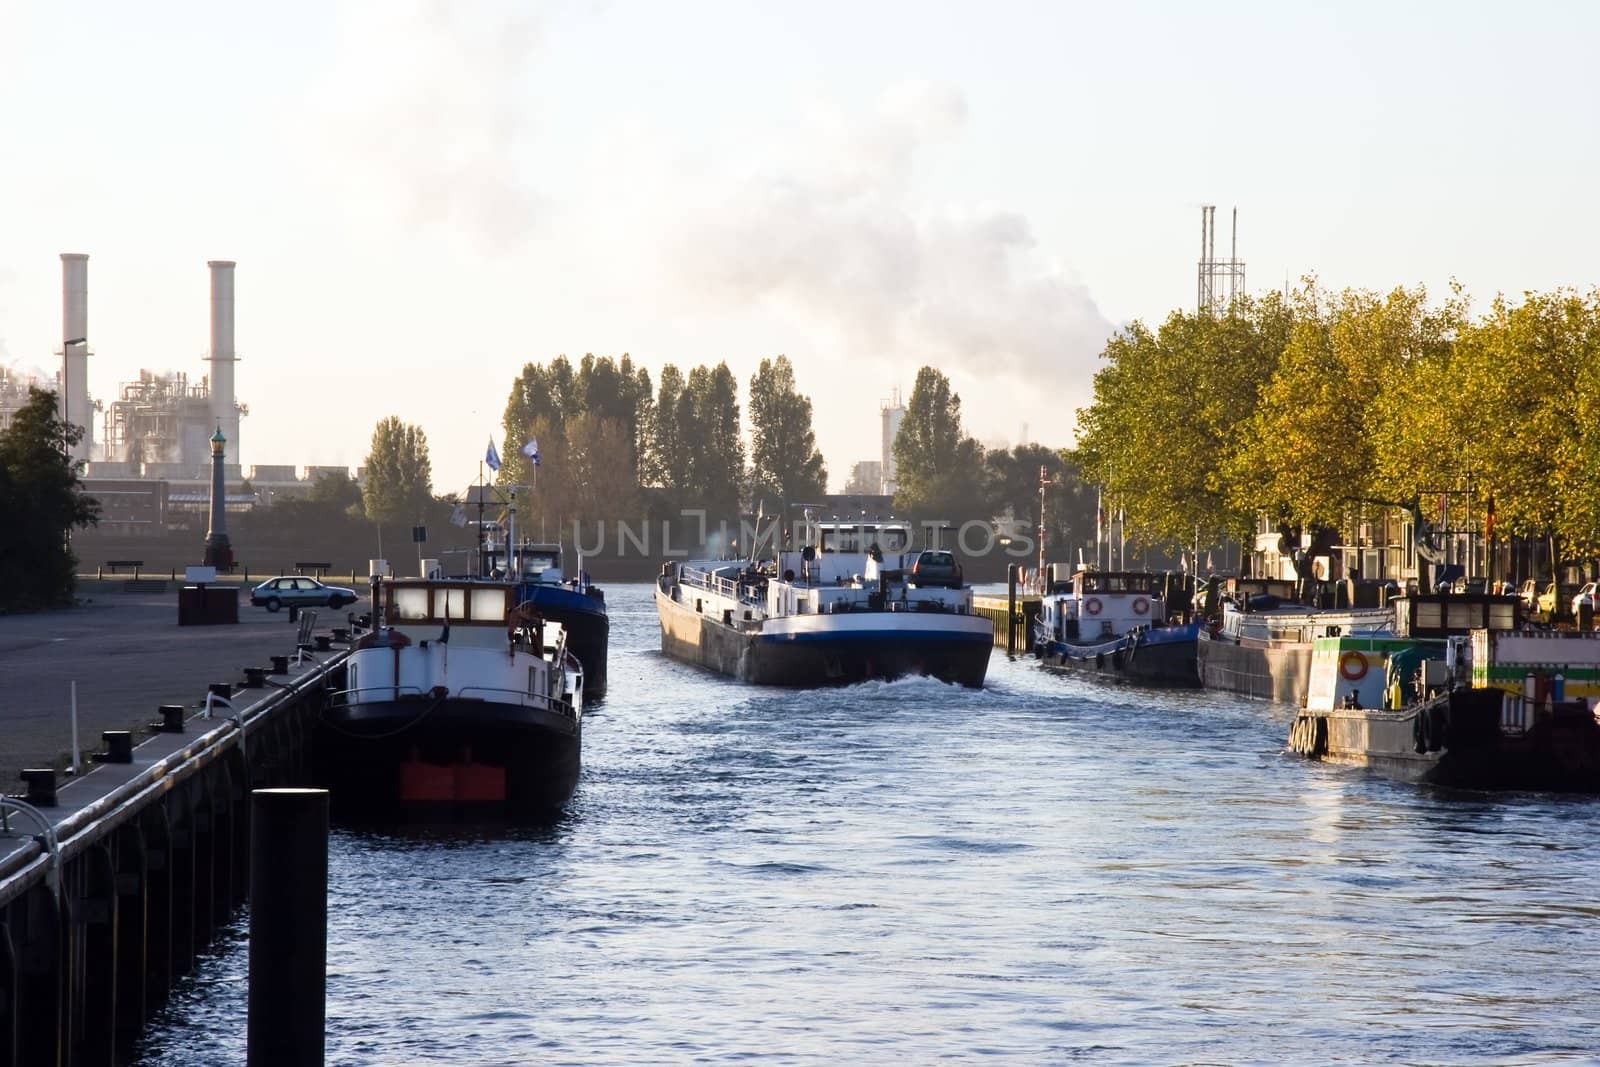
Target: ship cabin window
x,y
1429,615
488,605
409,605
1502,616
452,603
841,539
536,561
894,539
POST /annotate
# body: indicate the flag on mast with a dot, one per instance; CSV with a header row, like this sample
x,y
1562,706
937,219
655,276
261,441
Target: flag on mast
x,y
531,450
491,458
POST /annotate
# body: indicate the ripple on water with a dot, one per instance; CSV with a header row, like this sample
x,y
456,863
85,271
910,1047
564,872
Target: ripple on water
x,y
1048,870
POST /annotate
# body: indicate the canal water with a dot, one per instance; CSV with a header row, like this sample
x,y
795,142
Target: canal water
x,y
1048,870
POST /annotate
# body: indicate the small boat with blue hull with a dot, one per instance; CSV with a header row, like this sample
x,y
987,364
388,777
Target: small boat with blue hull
x,y
845,607
1457,695
574,602
1115,624
459,698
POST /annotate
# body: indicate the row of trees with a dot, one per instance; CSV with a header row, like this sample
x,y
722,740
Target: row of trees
x,y
605,436
1311,406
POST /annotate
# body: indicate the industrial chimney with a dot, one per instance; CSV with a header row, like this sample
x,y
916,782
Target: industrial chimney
x,y
224,410
75,349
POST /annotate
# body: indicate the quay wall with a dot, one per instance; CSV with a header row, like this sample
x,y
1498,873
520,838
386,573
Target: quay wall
x,y
111,888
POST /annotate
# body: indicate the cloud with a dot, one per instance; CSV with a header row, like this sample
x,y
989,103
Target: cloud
x,y
833,231
423,115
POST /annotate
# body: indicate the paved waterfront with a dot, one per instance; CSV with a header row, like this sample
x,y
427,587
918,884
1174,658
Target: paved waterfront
x,y
128,656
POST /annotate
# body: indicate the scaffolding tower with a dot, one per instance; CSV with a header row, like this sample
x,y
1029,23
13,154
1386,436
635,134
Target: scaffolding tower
x,y
1221,280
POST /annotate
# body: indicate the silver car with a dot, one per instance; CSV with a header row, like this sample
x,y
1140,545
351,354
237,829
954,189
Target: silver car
x,y
298,591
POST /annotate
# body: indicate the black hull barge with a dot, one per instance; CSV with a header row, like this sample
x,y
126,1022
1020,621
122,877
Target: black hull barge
x,y
459,702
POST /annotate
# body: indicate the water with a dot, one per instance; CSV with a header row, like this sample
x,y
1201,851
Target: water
x,y
1041,872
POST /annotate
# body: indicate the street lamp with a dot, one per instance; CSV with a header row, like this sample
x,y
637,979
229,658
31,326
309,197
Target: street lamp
x,y
66,350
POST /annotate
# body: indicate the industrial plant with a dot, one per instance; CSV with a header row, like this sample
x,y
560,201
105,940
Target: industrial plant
x,y
147,451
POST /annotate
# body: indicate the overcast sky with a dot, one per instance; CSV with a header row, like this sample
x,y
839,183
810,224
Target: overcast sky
x,y
423,197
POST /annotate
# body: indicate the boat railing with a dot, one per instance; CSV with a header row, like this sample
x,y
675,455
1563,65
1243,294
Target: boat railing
x,y
715,583
390,692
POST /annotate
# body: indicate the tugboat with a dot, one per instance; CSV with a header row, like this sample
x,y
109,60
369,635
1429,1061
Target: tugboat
x,y
849,605
574,602
1115,624
458,697
1460,696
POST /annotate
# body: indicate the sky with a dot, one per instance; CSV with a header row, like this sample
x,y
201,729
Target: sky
x,y
423,197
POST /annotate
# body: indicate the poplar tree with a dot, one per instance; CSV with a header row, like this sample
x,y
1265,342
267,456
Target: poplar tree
x,y
398,489
939,468
783,448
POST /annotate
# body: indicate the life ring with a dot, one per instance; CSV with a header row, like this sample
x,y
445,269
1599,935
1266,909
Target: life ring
x,y
1352,666
1092,605
1141,606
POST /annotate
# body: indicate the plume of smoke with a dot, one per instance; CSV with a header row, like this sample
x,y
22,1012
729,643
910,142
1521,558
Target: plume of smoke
x,y
424,112
834,232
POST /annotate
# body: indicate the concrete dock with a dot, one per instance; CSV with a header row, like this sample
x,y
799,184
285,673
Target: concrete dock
x,y
128,655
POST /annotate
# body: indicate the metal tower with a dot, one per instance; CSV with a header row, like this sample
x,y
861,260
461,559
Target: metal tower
x,y
1221,280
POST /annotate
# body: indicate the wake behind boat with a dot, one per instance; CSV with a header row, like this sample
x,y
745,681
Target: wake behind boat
x,y
458,697
850,605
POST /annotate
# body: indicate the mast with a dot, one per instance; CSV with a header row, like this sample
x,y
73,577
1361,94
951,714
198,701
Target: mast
x,y
1039,577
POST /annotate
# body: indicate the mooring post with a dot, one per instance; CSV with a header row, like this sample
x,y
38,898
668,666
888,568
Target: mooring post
x,y
1011,608
288,927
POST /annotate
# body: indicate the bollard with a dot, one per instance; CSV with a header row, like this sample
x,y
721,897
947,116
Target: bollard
x,y
171,719
288,927
280,665
294,612
341,635
221,689
1011,608
41,786
119,746
322,642
255,677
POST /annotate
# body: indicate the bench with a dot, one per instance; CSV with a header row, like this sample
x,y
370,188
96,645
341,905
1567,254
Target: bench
x,y
320,568
114,565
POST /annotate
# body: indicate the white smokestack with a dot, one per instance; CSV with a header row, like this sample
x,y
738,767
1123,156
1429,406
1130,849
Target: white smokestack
x,y
75,357
224,411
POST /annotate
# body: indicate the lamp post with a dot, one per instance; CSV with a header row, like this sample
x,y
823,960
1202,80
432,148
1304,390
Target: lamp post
x,y
66,353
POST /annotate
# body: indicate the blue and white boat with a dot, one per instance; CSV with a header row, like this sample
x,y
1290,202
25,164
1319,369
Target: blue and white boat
x,y
572,601
842,607
1116,624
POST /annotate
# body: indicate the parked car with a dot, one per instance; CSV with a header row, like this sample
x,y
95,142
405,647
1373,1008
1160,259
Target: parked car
x,y
1528,591
298,591
936,567
1554,599
1586,597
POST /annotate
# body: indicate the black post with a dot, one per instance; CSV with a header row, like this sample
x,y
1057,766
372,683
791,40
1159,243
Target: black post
x,y
1011,608
288,927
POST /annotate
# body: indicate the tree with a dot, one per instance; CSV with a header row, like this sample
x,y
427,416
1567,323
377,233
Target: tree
x,y
399,480
616,392
938,467
783,450
669,460
547,395
42,499
1306,453
709,422
1166,419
